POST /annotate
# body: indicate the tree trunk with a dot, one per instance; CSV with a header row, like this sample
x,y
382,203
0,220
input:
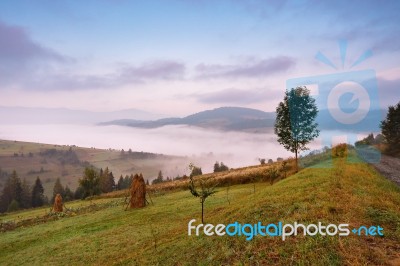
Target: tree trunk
x,y
297,165
202,211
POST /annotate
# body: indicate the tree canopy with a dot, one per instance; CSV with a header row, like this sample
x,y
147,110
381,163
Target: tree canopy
x,y
295,123
391,130
90,183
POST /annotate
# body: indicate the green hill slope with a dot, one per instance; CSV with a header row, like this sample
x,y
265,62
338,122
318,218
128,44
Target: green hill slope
x,y
106,234
50,162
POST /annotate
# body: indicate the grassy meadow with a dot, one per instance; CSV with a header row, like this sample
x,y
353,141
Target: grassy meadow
x,y
157,234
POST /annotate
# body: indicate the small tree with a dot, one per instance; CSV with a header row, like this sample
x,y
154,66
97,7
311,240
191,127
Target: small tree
x,y
272,174
216,167
284,168
90,183
195,171
14,206
295,123
107,182
223,167
68,194
391,130
159,179
37,193
206,190
26,196
261,160
120,184
57,189
220,167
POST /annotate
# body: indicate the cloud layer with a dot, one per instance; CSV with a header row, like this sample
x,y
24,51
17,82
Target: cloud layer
x,y
251,69
238,96
20,56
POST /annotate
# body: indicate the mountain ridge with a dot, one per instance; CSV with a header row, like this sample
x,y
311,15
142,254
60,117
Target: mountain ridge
x,y
223,118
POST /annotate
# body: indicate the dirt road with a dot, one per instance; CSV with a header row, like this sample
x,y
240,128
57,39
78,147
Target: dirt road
x,y
390,168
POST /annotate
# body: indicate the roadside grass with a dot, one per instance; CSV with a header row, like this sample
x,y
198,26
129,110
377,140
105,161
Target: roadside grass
x,y
157,235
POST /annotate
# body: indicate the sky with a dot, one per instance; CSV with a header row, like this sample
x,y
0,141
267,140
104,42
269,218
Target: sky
x,y
177,57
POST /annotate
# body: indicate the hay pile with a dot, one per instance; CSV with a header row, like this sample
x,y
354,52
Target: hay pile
x,y
138,192
58,204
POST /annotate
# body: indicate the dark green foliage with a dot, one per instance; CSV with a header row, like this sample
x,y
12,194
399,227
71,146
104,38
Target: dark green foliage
x,y
64,157
120,184
90,183
261,160
391,130
68,194
370,140
159,179
216,167
107,183
124,183
295,123
40,171
26,195
58,189
141,155
79,193
37,194
14,206
207,188
12,190
195,171
220,167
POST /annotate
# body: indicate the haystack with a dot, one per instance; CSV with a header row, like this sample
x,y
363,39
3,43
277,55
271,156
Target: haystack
x,y
58,204
138,192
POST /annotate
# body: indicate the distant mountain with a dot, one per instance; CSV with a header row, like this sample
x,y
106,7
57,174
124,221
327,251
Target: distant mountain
x,y
223,118
246,119
30,115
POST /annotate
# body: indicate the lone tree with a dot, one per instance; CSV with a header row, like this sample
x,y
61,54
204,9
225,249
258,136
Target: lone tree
x,y
391,130
206,190
90,183
58,189
37,193
295,123
220,167
194,170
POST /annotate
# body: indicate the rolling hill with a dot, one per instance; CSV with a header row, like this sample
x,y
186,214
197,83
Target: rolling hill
x,y
246,119
31,115
223,118
101,232
50,162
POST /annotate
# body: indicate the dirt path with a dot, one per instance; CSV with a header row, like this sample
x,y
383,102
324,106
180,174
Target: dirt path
x,y
390,168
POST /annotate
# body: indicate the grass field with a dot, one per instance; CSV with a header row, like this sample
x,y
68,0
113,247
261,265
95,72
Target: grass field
x,y
157,234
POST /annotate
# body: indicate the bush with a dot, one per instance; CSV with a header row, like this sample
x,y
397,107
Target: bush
x,y
340,151
14,206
